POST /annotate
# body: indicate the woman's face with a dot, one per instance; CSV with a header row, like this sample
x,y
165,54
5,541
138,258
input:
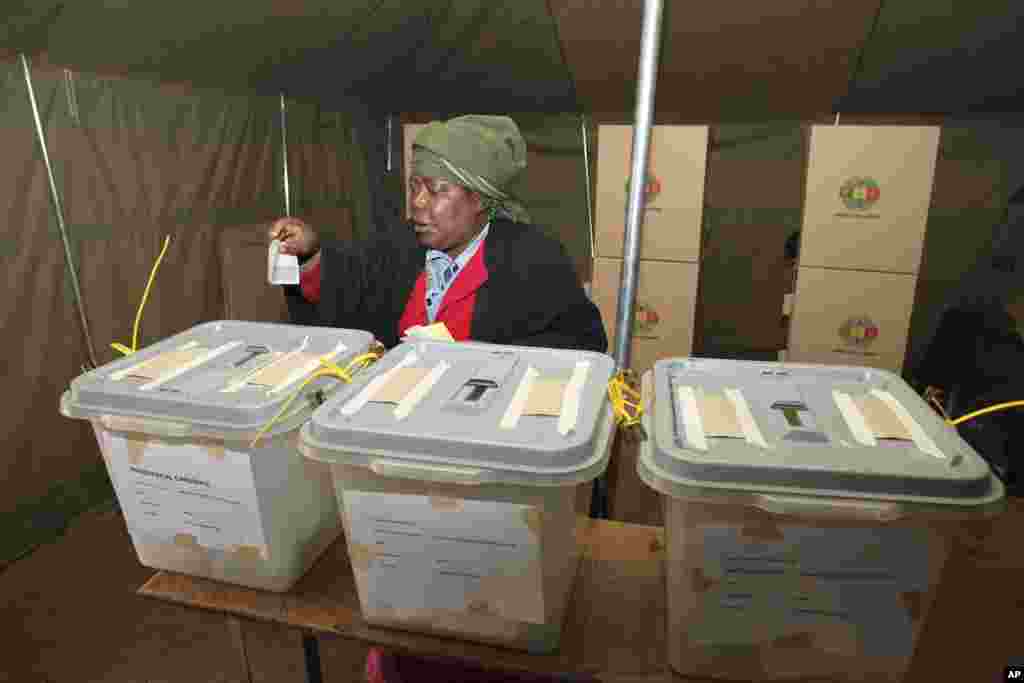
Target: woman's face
x,y
446,216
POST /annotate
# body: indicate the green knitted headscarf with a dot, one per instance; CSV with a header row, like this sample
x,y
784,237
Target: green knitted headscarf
x,y
481,153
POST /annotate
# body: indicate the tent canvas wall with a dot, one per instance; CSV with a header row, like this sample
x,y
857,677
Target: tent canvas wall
x,y
134,162
137,157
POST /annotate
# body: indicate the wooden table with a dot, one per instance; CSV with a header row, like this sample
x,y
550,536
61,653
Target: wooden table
x,y
615,627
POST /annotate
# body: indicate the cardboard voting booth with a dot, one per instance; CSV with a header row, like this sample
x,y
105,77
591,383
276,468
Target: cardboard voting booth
x,y
865,211
670,237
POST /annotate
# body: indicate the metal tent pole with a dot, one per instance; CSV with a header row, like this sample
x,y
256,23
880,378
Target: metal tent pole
x,y
646,82
284,158
389,123
58,212
584,136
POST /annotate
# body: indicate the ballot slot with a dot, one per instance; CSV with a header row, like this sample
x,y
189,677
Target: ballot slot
x,y
476,394
789,410
252,352
801,427
475,389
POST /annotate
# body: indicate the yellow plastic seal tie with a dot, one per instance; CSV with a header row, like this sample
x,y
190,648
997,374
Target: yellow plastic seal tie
x,y
627,412
121,348
362,362
986,411
330,369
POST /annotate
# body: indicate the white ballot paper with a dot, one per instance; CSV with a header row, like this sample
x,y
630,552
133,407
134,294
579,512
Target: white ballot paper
x,y
435,331
282,269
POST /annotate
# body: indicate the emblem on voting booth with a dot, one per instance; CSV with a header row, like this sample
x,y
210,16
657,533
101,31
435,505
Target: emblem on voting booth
x,y
860,194
652,184
652,187
646,321
859,331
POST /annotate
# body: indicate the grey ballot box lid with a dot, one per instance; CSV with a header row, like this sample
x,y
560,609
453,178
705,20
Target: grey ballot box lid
x,y
223,354
470,408
804,441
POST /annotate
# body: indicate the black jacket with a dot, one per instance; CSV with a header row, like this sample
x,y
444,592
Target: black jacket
x,y
977,350
531,298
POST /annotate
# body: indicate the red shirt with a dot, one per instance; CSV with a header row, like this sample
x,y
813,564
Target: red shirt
x,y
456,310
457,307
309,283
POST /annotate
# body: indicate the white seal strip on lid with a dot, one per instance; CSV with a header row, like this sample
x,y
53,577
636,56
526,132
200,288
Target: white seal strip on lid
x,y
420,391
124,372
376,384
854,419
195,363
687,399
746,418
917,433
518,402
308,369
569,415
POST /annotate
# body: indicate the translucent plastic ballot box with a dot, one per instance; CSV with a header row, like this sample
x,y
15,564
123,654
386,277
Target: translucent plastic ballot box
x,y
177,423
461,470
809,510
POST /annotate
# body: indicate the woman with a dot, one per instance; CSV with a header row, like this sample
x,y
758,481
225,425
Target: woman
x,y
469,259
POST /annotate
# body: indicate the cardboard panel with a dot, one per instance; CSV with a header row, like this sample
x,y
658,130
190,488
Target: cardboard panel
x,y
867,197
677,162
666,300
845,317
